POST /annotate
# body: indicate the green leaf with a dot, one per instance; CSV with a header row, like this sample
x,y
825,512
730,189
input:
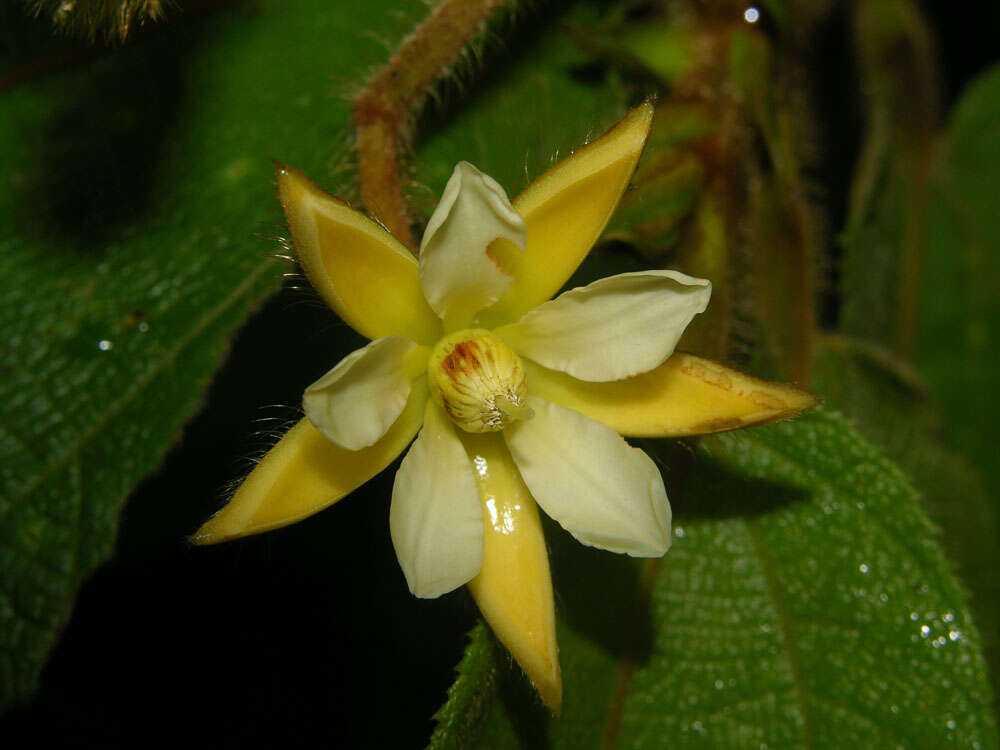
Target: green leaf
x,y
921,277
959,324
805,603
135,235
884,237
891,406
470,696
958,336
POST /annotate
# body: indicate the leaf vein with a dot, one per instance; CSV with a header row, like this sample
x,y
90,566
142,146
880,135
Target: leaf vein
x,y
140,384
787,629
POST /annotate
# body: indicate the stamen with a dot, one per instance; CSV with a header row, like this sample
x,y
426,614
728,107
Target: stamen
x,y
513,410
478,380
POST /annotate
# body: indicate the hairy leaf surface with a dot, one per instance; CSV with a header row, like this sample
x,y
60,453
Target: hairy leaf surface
x,y
959,324
805,603
138,213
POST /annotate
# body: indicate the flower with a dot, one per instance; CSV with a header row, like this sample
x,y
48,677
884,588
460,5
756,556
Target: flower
x,y
512,399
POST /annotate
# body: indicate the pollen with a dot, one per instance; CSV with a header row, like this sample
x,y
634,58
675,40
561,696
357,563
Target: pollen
x,y
479,381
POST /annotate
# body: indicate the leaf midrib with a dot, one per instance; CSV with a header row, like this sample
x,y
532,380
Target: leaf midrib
x,y
142,382
626,666
789,633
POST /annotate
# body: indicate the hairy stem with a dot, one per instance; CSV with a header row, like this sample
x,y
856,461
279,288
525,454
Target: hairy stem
x,y
383,111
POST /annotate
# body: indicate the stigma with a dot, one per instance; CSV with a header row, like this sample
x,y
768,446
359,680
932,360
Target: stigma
x,y
479,381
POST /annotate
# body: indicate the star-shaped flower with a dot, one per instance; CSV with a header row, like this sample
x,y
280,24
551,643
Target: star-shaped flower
x,y
512,399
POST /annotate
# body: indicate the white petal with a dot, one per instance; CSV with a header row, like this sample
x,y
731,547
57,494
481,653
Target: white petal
x,y
612,329
584,475
458,274
358,400
436,517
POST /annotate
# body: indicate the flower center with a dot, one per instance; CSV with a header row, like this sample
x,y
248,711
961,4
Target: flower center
x,y
478,380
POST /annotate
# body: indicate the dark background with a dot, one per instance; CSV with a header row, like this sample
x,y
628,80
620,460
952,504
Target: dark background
x,y
309,630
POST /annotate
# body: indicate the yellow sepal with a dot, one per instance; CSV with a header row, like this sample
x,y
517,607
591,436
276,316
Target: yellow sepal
x,y
364,273
565,211
686,395
514,587
305,472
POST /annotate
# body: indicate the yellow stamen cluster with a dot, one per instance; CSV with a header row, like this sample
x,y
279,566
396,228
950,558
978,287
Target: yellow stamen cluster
x,y
478,380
